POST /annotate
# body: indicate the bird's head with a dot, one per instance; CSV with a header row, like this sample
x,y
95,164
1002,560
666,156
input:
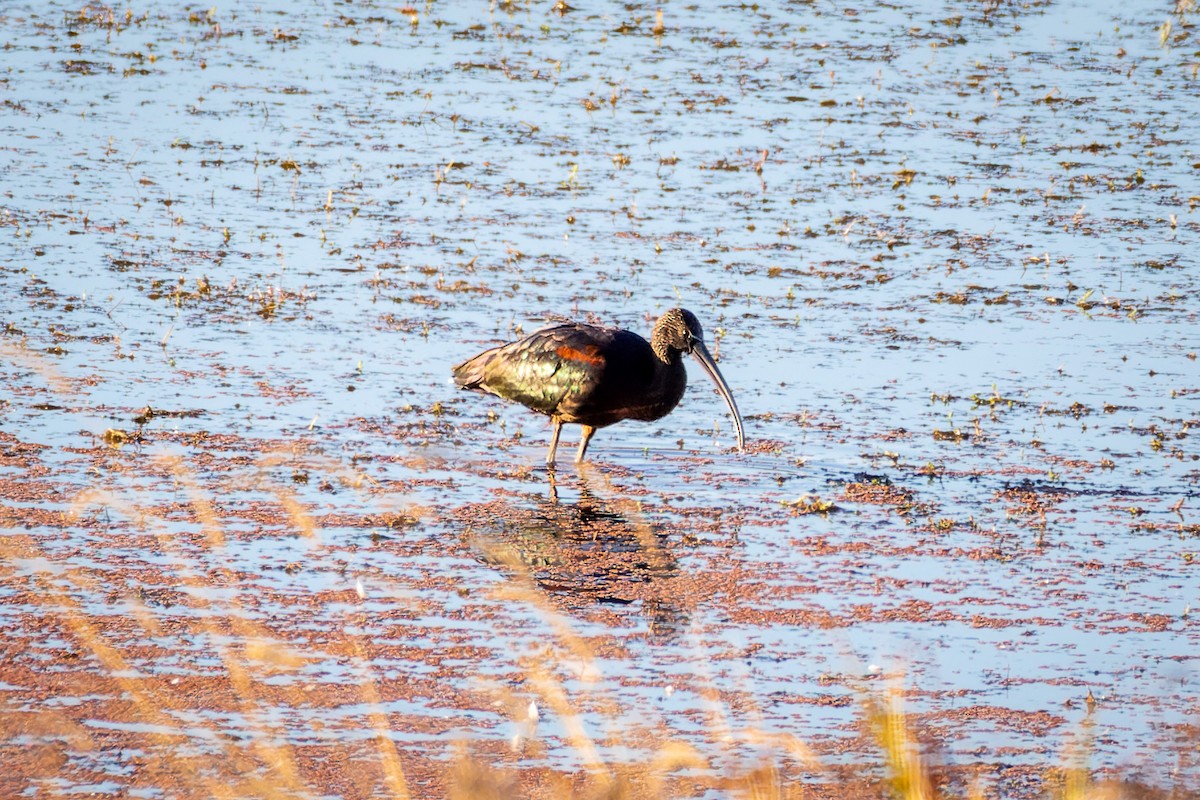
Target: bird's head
x,y
676,331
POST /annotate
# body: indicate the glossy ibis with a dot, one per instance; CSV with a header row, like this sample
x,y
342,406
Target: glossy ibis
x,y
595,376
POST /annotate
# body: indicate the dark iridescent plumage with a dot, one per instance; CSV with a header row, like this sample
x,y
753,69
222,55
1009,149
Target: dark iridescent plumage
x,y
596,376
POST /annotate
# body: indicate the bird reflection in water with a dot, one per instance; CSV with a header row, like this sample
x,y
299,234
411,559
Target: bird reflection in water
x,y
596,551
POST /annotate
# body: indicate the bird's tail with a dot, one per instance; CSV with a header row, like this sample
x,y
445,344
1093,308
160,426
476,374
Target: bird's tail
x,y
470,374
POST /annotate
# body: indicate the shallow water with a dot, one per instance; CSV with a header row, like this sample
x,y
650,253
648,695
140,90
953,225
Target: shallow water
x,y
942,254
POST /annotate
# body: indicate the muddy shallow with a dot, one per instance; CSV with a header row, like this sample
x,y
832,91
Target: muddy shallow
x,y
943,254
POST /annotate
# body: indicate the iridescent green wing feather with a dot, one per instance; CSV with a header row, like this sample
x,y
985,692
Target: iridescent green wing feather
x,y
548,371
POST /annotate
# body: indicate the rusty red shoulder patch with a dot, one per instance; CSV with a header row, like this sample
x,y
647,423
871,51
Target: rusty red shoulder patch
x,y
588,355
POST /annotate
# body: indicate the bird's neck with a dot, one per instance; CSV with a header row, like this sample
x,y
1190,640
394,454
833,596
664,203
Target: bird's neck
x,y
664,352
668,384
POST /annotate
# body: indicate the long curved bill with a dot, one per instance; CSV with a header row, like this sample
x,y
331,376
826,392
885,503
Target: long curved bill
x,y
701,354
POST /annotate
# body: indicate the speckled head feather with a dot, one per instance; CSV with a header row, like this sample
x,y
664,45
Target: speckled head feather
x,y
675,333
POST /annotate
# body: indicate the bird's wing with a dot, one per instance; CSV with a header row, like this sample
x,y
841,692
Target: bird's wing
x,y
549,370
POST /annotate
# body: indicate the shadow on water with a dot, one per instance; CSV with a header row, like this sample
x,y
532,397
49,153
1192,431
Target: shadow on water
x,y
585,550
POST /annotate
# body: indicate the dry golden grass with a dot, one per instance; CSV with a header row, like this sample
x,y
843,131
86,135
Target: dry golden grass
x,y
269,767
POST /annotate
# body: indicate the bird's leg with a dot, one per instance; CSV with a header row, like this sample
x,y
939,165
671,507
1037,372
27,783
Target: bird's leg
x,y
557,425
588,431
